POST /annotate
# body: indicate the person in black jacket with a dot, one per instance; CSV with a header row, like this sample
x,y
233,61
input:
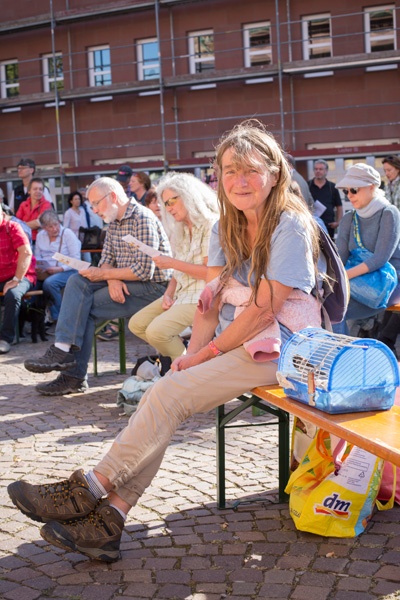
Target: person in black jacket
x,y
325,191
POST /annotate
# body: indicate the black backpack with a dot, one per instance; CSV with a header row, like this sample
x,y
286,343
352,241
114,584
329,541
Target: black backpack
x,y
336,285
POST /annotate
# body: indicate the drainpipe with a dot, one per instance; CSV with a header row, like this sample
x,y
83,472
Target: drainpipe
x,y
175,106
57,107
290,57
164,151
278,43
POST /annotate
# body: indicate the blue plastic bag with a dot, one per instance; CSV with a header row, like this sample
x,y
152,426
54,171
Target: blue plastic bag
x,y
371,289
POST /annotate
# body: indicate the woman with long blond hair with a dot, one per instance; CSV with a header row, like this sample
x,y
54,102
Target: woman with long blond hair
x,y
265,239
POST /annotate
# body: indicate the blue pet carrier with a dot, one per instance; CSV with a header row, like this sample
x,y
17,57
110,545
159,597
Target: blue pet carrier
x,y
337,373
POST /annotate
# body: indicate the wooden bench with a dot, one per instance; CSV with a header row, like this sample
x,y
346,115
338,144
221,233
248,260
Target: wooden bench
x,y
394,308
377,432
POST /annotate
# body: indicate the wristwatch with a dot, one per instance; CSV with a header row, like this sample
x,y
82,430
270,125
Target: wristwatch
x,y
15,278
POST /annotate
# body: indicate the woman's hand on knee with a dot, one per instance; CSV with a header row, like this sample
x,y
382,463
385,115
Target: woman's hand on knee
x,y
191,360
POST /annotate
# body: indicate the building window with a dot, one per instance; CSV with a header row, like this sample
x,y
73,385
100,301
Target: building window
x,y
99,66
201,51
317,40
257,44
148,59
380,28
9,79
53,74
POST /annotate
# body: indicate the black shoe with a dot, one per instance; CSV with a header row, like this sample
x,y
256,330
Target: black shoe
x,y
63,500
165,362
63,384
98,535
54,360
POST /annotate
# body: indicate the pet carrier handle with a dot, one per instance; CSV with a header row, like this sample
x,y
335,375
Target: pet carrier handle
x,y
311,388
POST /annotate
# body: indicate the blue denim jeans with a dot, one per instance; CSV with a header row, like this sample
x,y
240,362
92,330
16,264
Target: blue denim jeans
x,y
53,286
12,303
85,303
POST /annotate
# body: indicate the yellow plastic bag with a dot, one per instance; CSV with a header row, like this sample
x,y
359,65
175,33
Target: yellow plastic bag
x,y
335,495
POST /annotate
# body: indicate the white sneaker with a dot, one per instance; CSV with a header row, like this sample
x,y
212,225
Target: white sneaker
x,y
4,347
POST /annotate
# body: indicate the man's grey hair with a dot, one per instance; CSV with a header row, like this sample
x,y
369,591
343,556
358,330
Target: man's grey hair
x,y
106,185
48,217
321,161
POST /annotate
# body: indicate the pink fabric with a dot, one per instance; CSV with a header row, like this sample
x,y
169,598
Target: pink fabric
x,y
299,310
386,489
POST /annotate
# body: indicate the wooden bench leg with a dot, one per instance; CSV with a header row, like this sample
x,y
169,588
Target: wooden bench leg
x,y
284,453
221,499
95,373
222,422
122,346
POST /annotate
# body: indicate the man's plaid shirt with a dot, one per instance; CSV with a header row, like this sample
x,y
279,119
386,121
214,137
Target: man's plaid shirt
x,y
143,225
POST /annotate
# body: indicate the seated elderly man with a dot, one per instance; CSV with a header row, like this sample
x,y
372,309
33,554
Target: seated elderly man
x,y
125,281
17,275
54,275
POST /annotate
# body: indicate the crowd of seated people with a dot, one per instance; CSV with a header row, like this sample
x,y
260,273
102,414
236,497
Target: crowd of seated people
x,y
375,204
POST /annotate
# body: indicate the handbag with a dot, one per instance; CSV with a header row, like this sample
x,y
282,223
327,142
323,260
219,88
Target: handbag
x,y
372,289
90,238
41,276
334,494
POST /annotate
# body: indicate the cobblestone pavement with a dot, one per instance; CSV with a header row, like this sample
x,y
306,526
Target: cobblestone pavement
x,y
177,545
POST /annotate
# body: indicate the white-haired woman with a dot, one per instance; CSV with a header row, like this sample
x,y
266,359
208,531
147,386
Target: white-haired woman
x,y
378,225
189,210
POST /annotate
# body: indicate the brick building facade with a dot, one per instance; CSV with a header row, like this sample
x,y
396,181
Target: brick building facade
x,y
88,85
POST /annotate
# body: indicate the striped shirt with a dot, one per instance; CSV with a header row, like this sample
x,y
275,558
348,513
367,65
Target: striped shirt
x,y
140,222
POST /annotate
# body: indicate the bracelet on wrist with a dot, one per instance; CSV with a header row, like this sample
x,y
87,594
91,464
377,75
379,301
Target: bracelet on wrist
x,y
214,349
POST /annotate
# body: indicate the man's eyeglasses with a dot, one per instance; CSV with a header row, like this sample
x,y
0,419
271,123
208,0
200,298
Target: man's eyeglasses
x,y
351,191
171,201
96,204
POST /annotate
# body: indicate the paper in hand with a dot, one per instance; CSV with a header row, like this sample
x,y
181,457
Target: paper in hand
x,y
74,263
132,241
319,208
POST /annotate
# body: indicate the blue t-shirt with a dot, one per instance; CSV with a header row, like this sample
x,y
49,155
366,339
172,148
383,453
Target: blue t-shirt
x,y
290,263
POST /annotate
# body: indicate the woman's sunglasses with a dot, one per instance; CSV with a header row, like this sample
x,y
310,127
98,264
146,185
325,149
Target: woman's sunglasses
x,y
350,190
171,201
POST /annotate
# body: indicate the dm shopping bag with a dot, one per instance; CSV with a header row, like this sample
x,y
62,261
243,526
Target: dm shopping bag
x,y
335,495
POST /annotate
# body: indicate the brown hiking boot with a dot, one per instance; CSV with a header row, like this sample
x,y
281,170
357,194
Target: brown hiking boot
x,y
61,501
98,535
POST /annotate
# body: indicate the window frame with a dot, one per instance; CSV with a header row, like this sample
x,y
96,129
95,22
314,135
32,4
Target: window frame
x,y
199,60
308,46
47,79
367,27
3,77
93,74
141,66
248,51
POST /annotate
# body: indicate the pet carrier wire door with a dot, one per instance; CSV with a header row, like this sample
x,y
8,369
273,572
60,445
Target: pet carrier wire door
x,y
337,373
